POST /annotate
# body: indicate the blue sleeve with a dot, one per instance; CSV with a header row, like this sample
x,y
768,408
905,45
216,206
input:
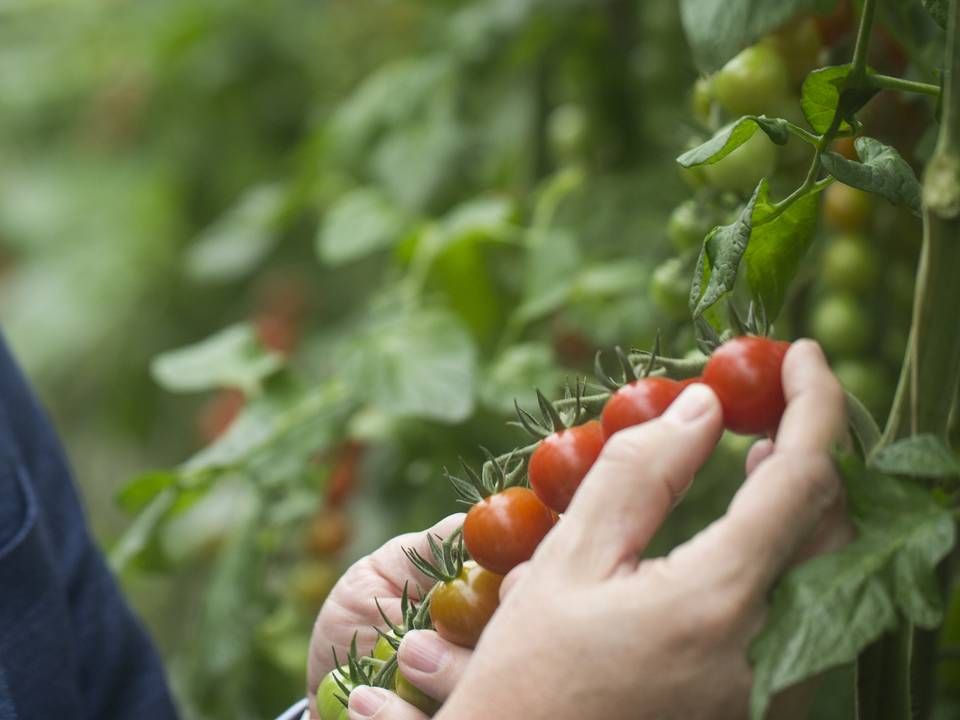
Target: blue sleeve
x,y
69,645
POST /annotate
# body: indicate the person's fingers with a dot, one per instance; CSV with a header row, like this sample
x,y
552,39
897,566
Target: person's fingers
x,y
391,562
816,415
370,703
431,663
640,474
759,451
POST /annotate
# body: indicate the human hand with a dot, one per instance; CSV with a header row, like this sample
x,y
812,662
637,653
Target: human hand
x,y
591,631
351,607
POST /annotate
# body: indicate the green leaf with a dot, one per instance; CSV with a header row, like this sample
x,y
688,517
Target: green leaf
x,y
415,363
359,223
729,138
721,254
919,456
238,242
881,171
862,424
777,248
142,530
138,493
232,357
718,29
828,609
820,97
938,10
515,373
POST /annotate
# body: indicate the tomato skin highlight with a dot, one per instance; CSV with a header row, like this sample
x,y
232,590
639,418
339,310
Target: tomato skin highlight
x,y
638,402
561,461
503,530
461,608
745,374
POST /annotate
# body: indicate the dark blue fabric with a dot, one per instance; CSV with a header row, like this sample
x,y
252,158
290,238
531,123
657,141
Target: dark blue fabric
x,y
69,645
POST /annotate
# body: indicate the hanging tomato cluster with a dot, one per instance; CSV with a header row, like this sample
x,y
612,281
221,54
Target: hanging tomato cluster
x,y
514,504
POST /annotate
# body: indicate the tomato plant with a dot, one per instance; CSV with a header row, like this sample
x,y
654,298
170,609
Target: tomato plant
x,y
745,375
504,530
754,82
638,402
561,461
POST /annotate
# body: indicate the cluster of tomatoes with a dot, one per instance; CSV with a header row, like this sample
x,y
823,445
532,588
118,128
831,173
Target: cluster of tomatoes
x,y
510,517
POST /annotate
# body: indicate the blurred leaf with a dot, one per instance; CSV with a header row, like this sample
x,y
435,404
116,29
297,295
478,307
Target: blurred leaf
x,y
718,29
136,494
937,10
141,531
515,373
360,223
777,248
729,138
232,357
720,256
917,456
239,241
881,171
820,97
828,609
419,363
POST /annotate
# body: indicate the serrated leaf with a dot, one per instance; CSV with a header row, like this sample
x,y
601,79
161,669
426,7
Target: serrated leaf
x,y
240,239
358,224
718,29
721,254
415,363
881,170
938,10
828,609
820,97
777,248
729,138
919,456
232,357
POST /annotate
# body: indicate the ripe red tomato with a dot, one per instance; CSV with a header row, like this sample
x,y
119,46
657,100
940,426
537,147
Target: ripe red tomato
x,y
218,414
461,608
345,472
561,461
638,402
745,375
503,530
846,209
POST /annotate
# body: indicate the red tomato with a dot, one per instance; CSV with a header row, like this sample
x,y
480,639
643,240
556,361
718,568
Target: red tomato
x,y
745,375
345,473
461,608
561,461
327,533
503,530
641,400
218,414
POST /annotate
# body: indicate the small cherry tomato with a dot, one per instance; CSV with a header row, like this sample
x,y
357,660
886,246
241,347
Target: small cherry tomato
x,y
461,608
741,170
753,82
837,25
503,530
849,264
670,288
688,225
701,99
410,693
327,533
845,146
329,706
383,650
799,44
745,375
846,209
218,414
561,461
841,324
638,402
345,473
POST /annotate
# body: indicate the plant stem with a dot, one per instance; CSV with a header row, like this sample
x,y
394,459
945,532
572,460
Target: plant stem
x,y
863,40
886,82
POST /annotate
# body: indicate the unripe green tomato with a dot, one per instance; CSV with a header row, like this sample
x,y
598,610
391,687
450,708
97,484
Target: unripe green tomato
x,y
410,693
754,82
701,99
688,225
799,45
868,381
841,325
849,264
567,132
741,170
846,209
670,289
383,650
328,706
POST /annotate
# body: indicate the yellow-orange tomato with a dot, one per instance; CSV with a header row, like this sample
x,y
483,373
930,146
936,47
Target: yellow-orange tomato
x,y
846,209
461,608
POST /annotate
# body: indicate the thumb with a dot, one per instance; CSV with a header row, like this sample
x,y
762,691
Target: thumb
x,y
636,481
370,703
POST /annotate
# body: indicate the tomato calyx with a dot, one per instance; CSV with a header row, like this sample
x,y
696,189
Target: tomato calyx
x,y
351,674
447,554
628,372
496,475
551,419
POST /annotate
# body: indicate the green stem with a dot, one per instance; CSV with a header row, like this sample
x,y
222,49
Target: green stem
x,y
859,62
886,82
805,135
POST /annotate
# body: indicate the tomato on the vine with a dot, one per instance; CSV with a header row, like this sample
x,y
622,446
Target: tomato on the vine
x,y
410,693
638,402
753,82
327,532
849,264
503,530
461,608
688,225
745,375
741,170
845,208
841,325
799,44
329,706
561,461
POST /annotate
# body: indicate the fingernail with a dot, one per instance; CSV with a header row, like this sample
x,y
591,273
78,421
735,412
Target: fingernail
x,y
423,651
693,402
365,701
